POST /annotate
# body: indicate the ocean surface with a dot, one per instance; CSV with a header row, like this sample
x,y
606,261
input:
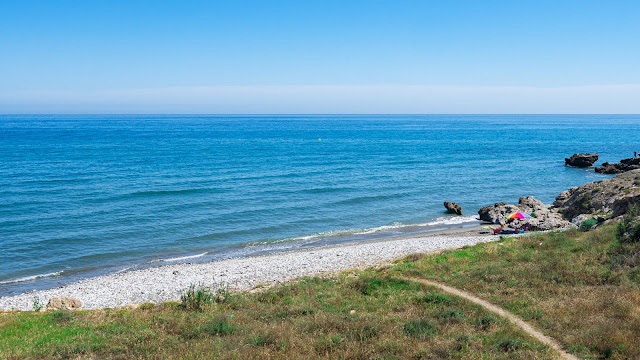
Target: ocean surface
x,y
84,195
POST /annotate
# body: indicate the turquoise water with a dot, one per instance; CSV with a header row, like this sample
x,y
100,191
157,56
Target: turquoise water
x,y
88,194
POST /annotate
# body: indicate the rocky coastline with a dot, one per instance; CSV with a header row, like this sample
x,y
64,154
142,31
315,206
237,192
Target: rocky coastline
x,y
593,203
603,201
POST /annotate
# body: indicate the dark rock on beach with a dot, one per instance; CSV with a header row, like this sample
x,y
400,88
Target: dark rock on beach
x,y
609,198
581,160
542,218
624,165
453,207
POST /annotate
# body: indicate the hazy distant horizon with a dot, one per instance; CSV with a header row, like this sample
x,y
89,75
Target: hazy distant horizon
x,y
255,57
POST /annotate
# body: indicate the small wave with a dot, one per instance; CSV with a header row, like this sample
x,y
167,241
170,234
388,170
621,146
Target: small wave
x,y
441,221
169,192
31,278
452,220
180,258
365,199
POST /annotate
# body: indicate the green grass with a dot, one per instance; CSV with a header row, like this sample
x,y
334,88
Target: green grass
x,y
358,315
582,289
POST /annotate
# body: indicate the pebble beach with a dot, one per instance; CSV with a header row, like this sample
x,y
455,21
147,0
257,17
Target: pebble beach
x,y
164,283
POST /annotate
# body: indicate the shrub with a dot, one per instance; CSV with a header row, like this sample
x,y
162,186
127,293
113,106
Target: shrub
x,y
419,328
37,305
588,224
629,228
222,294
486,321
219,326
171,305
147,306
195,298
61,316
263,340
451,315
509,344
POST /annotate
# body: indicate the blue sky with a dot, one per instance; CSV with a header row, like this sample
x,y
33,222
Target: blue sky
x,y
320,56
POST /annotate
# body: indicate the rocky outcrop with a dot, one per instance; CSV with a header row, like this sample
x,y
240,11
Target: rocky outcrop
x,y
581,160
542,218
453,207
65,302
607,198
624,165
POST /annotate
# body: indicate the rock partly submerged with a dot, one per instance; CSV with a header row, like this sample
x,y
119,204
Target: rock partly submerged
x,y
617,168
581,160
453,207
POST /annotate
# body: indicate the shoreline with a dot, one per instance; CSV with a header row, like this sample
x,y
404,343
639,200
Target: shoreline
x,y
160,284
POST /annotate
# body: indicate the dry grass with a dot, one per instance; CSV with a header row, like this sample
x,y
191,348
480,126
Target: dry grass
x,y
578,287
370,316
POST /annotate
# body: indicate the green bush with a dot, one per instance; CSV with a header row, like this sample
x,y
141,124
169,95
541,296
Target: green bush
x,y
629,228
147,306
220,326
509,344
62,316
419,328
588,224
195,298
37,305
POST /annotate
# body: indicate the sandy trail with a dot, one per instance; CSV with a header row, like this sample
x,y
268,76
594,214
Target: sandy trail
x,y
502,312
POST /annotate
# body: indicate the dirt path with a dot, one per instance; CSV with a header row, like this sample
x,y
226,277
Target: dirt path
x,y
500,311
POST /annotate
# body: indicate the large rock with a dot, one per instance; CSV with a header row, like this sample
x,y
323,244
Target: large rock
x,y
624,165
453,207
542,218
66,302
581,160
608,198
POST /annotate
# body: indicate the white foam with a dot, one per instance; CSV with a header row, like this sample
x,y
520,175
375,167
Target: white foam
x,y
31,278
445,220
181,258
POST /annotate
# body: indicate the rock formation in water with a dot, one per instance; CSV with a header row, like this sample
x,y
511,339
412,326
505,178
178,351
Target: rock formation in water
x,y
453,207
581,160
624,165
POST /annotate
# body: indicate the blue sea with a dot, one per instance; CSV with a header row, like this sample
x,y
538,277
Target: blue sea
x,y
84,195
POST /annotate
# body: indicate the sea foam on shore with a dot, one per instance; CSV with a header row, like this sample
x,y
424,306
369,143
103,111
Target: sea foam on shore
x,y
164,283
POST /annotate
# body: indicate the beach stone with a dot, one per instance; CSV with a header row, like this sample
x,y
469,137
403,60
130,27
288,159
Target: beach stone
x,y
581,160
453,207
69,303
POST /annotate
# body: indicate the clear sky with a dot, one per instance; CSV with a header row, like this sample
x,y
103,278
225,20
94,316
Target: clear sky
x,y
320,56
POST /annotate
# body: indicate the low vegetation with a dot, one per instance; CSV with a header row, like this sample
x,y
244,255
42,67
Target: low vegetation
x,y
581,288
358,315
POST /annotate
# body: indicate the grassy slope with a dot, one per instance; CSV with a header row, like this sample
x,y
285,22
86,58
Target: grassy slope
x,y
578,287
313,318
582,289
